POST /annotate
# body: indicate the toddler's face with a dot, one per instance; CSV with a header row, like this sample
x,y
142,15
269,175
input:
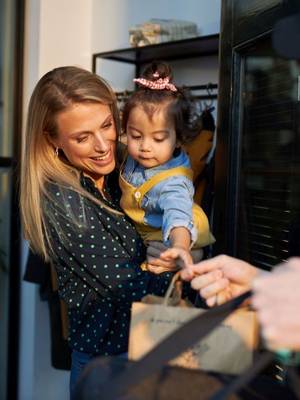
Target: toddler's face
x,y
151,139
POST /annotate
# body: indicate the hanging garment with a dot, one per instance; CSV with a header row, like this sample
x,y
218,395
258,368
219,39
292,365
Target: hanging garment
x,y
39,272
198,151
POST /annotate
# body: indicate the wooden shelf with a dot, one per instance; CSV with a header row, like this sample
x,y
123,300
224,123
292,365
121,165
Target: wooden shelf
x,y
176,50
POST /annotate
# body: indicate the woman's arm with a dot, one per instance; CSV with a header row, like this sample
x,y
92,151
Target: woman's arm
x,y
99,258
277,301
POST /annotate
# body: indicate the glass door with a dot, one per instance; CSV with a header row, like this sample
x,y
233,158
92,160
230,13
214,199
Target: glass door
x,y
267,156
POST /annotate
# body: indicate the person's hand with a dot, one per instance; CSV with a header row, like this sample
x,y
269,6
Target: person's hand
x,y
159,259
182,256
277,301
155,263
220,279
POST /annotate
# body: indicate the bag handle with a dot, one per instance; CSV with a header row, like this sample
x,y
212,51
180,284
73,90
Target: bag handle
x,y
246,377
263,361
169,348
172,288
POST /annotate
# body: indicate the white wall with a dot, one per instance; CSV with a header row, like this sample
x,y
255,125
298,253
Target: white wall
x,y
68,32
121,14
65,33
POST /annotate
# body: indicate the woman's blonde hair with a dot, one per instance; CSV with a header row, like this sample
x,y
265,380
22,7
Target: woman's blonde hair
x,y
55,92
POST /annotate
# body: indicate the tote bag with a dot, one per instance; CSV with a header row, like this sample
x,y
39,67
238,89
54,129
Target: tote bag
x,y
228,349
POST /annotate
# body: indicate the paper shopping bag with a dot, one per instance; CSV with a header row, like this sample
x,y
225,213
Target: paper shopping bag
x,y
228,349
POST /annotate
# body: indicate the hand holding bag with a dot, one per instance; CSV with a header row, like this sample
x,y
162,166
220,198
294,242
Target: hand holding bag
x,y
228,349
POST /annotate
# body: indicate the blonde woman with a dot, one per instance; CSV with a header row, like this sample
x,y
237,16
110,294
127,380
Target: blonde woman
x,y
71,215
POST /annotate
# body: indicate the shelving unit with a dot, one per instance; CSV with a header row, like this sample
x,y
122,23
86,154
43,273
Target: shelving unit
x,y
176,50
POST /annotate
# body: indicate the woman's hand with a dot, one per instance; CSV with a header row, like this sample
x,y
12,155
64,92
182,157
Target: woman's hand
x,y
182,256
220,279
155,263
169,261
158,266
277,301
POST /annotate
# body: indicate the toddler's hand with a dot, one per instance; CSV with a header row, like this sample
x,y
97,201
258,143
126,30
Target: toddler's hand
x,y
182,256
155,263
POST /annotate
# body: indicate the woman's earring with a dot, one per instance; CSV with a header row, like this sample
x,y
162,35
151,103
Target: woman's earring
x,y
56,151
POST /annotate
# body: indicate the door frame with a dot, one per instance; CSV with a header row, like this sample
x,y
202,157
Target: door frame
x,y
13,162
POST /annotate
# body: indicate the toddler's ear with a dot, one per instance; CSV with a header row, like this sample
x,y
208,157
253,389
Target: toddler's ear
x,y
176,151
178,144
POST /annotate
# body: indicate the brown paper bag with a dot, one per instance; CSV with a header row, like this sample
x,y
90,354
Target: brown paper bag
x,y
228,349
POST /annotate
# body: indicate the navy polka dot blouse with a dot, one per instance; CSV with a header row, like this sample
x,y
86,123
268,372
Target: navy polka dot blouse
x,y
97,256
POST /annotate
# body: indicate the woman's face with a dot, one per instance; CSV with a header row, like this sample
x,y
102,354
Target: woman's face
x,y
87,136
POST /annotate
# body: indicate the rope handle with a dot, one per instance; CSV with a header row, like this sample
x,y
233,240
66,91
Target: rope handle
x,y
174,290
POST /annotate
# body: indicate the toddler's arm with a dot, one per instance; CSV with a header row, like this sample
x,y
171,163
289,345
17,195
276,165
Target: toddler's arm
x,y
180,240
176,204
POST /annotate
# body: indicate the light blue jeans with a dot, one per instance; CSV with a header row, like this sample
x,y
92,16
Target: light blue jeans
x,y
79,361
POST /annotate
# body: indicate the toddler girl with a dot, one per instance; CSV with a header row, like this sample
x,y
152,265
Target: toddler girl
x,y
156,180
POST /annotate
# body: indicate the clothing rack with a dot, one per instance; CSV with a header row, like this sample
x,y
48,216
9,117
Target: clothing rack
x,y
210,89
208,86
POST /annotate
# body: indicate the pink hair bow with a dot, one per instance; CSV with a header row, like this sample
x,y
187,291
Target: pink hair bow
x,y
159,84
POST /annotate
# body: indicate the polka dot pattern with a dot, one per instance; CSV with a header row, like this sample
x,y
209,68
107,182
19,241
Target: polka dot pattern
x,y
97,256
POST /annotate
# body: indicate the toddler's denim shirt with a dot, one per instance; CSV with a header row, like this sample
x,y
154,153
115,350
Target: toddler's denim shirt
x,y
169,203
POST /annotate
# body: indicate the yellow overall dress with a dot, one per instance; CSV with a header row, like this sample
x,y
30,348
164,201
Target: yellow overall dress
x,y
132,198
